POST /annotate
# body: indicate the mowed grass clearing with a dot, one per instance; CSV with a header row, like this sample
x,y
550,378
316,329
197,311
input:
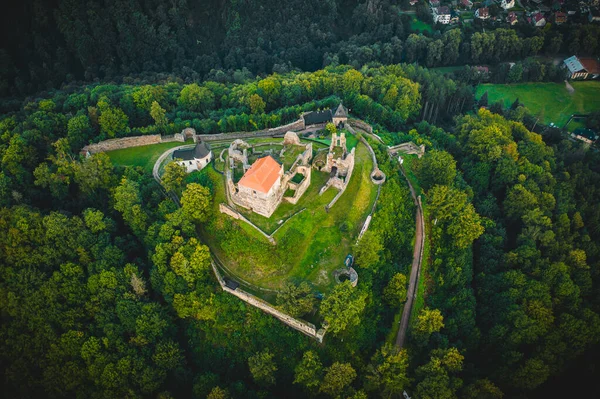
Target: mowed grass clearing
x,y
309,246
144,156
420,26
552,100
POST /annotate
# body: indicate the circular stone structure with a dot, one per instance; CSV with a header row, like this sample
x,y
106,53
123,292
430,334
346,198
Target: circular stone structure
x,y
349,273
377,176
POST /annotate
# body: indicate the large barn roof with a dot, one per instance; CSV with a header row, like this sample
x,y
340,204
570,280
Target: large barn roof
x,y
262,175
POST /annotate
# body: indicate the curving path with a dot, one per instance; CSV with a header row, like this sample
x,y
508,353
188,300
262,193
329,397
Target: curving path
x,y
415,269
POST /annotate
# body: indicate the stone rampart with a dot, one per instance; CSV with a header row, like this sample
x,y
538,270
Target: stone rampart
x,y
124,142
299,325
280,130
361,125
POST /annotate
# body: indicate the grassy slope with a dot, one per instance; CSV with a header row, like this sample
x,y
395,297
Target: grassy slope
x,y
310,245
551,98
144,156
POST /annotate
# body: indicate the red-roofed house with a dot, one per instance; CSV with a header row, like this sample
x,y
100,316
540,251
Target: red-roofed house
x,y
482,13
538,19
512,18
560,17
466,3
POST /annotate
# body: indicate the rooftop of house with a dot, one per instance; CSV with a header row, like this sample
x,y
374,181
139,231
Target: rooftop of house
x,y
587,133
466,2
200,151
443,10
315,117
434,3
538,17
483,12
573,64
590,64
262,175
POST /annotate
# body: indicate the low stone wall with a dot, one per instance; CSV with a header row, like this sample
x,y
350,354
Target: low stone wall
x,y
407,148
176,137
361,125
280,130
236,215
299,325
124,142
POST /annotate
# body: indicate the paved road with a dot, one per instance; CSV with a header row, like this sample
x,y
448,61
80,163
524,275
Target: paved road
x,y
415,270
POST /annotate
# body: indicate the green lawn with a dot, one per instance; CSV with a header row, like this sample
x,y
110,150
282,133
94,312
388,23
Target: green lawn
x,y
144,156
575,124
552,100
309,246
418,25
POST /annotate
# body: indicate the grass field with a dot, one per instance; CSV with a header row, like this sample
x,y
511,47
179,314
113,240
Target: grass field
x,y
418,25
551,100
309,246
144,156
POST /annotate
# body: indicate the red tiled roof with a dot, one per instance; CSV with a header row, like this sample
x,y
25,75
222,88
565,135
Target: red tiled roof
x,y
262,175
591,65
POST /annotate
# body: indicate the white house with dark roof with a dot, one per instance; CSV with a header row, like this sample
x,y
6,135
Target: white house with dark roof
x,y
441,15
193,158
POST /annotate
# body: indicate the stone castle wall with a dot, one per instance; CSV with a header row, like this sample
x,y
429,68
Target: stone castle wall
x,y
302,187
124,142
299,325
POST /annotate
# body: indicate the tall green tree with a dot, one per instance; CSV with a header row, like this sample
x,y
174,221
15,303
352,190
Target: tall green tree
x,y
342,308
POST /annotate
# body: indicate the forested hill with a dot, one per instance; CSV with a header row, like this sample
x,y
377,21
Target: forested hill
x,y
71,39
46,43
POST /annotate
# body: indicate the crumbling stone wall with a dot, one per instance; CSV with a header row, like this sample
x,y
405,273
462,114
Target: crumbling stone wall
x,y
280,130
302,187
299,325
124,142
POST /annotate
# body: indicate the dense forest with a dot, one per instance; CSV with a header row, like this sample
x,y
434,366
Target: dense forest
x,y
106,291
47,43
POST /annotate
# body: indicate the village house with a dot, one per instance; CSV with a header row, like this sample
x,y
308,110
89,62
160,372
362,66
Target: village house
x,y
413,2
193,158
586,135
434,3
466,4
582,68
512,18
441,15
560,17
538,19
506,4
482,13
594,15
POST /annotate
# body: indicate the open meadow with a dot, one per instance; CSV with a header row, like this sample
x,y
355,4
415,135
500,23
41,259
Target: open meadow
x,y
552,101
